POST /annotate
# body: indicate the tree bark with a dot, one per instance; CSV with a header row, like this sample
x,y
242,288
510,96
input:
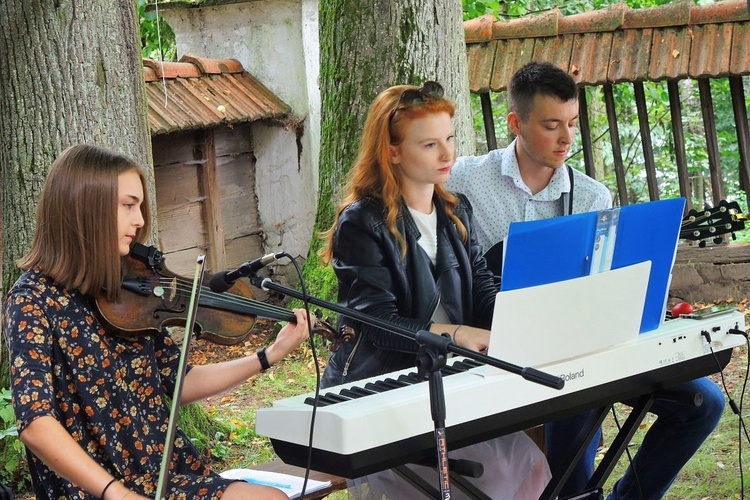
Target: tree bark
x,y
367,46
71,73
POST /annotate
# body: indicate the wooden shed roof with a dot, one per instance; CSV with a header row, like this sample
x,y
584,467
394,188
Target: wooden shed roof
x,y
201,93
615,44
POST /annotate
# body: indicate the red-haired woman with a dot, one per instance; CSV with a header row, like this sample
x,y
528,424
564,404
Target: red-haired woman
x,y
404,250
90,407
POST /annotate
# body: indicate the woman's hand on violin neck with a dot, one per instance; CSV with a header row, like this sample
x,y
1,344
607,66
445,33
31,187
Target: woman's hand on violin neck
x,y
289,338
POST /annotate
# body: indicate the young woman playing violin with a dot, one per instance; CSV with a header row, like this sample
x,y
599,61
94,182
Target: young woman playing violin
x,y
90,406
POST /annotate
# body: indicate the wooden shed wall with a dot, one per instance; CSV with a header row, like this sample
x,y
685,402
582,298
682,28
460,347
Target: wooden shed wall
x,y
183,196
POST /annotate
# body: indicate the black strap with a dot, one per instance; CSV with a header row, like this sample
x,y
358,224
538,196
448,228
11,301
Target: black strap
x,y
264,364
567,198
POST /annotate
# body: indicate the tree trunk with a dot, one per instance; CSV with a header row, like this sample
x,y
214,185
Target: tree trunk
x,y
70,73
365,47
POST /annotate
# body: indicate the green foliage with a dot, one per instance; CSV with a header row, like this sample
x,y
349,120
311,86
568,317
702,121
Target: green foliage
x,y
12,451
157,37
478,8
239,445
203,431
321,281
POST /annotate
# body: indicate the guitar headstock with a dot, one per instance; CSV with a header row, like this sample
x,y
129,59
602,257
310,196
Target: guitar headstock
x,y
713,222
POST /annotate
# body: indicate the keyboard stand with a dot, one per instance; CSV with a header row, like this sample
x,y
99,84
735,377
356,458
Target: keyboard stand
x,y
469,489
620,443
430,491
577,449
622,439
416,481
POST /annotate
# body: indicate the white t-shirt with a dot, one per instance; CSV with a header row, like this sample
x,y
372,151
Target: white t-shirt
x,y
427,225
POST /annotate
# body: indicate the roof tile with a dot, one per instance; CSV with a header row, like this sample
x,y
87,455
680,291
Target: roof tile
x,y
480,59
554,49
591,53
670,54
672,14
607,19
716,43
214,66
740,61
677,40
201,93
171,69
630,55
542,25
720,12
479,29
511,55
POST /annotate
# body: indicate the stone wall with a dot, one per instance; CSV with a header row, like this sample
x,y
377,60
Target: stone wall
x,y
711,274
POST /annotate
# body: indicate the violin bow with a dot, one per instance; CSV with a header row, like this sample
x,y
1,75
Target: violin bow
x,y
166,459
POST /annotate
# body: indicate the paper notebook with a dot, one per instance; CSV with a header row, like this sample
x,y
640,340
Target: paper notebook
x,y
537,325
289,484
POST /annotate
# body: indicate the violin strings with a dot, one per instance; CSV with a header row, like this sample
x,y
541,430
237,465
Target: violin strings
x,y
183,286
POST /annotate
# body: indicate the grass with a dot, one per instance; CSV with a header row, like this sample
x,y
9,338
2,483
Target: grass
x,y
241,447
714,471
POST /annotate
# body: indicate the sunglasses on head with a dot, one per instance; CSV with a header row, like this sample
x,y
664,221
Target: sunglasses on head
x,y
410,97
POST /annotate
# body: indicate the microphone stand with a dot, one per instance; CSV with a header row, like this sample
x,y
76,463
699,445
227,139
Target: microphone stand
x,y
431,357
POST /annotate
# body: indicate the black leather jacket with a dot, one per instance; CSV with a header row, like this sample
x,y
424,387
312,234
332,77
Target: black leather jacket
x,y
375,279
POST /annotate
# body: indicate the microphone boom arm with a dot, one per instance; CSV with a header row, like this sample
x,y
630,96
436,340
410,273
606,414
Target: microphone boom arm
x,y
528,373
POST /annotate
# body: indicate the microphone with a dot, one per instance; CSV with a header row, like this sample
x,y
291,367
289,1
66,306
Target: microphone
x,y
221,282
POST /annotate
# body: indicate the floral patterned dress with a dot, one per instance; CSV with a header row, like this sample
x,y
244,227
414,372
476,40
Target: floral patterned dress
x,y
108,392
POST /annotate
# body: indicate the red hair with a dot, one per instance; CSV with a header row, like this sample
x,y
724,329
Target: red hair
x,y
373,175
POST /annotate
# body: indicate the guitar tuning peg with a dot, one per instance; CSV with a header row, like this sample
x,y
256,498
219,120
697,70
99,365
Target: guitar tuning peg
x,y
734,236
702,244
718,240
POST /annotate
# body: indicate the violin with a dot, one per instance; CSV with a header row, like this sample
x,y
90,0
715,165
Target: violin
x,y
153,298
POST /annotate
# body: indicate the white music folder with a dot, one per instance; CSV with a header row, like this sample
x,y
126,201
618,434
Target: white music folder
x,y
538,325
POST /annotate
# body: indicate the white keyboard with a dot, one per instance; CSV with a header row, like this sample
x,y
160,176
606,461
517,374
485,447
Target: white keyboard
x,y
377,431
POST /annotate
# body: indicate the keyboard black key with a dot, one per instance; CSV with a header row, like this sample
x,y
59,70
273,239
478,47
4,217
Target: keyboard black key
x,y
336,397
321,402
388,384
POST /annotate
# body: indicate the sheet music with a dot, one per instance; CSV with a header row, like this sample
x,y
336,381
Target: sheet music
x,y
289,484
604,240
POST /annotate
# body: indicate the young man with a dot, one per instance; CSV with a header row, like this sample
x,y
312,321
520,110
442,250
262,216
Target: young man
x,y
529,180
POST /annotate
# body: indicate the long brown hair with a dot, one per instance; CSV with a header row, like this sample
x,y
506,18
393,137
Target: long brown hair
x,y
76,223
373,175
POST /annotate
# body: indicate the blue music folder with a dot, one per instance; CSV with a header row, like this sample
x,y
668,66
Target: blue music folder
x,y
561,248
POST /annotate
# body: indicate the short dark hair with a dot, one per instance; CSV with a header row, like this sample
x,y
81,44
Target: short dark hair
x,y
538,78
